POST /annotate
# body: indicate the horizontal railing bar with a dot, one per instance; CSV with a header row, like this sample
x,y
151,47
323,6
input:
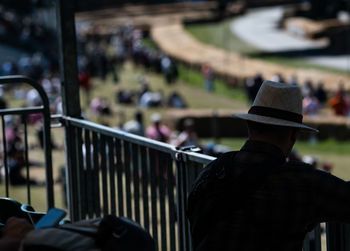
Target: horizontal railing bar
x,y
56,116
22,110
57,125
198,157
25,80
142,141
132,138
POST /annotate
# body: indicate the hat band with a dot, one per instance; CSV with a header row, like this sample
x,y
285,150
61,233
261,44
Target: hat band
x,y
276,113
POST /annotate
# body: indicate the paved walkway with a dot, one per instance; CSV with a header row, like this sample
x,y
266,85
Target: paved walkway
x,y
260,28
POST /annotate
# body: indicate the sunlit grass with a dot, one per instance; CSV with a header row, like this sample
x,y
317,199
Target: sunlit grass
x,y
194,78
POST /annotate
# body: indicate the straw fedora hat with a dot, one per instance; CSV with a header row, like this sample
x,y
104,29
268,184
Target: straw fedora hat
x,y
277,104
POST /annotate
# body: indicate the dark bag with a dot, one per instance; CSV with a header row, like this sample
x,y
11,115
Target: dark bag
x,y
102,234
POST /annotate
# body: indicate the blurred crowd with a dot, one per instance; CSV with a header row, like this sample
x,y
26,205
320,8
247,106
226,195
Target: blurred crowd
x,y
24,32
102,55
98,55
185,138
315,96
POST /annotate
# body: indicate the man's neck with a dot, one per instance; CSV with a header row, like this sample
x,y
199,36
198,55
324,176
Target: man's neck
x,y
276,142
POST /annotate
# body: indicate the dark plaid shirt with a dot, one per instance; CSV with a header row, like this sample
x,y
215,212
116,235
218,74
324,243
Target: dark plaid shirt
x,y
254,200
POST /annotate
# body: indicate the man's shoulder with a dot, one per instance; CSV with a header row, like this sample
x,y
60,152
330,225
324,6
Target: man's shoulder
x,y
214,167
210,184
299,164
214,171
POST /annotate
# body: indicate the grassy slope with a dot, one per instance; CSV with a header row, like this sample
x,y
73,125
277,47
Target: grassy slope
x,y
194,94
220,35
193,77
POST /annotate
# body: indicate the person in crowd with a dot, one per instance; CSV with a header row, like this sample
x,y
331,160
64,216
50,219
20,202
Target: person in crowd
x,y
254,198
252,86
151,99
124,96
248,87
16,155
320,93
293,80
135,126
208,77
310,105
157,130
175,100
84,79
278,78
169,69
188,136
339,103
100,106
146,99
9,67
308,89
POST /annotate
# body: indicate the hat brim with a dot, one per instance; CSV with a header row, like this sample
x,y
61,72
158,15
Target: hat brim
x,y
274,121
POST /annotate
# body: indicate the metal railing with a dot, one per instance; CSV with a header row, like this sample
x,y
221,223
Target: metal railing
x,y
135,177
24,113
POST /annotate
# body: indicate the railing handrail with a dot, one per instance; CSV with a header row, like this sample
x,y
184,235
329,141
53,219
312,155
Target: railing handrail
x,y
45,110
23,79
142,141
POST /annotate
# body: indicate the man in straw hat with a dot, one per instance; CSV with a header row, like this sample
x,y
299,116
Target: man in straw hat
x,y
255,199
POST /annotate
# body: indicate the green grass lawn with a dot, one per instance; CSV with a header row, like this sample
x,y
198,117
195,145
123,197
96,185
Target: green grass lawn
x,y
193,78
190,86
219,34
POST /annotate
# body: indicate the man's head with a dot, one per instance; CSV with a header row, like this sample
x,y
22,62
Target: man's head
x,y
280,136
276,115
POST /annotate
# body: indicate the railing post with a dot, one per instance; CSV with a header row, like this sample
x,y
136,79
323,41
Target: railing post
x,y
184,179
338,237
70,93
318,244
347,237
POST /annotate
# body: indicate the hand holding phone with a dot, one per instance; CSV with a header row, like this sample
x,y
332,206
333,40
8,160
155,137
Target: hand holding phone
x,y
51,218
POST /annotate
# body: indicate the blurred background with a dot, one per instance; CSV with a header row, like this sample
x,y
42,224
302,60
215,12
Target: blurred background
x,y
186,66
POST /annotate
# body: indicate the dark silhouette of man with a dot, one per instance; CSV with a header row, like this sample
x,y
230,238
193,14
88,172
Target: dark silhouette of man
x,y
255,198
